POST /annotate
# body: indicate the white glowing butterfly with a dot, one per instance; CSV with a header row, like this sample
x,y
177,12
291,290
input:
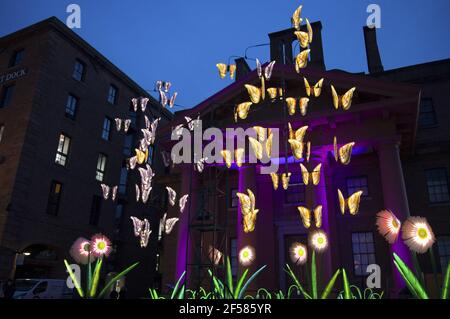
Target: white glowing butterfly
x,y
146,175
143,193
182,202
109,190
267,70
164,100
141,230
126,124
166,224
200,165
135,101
215,255
172,195
144,101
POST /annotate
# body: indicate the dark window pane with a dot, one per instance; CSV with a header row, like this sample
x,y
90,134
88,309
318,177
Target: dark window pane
x,y
95,210
112,94
427,116
437,184
106,131
54,198
356,184
6,95
78,71
71,106
234,199
123,180
128,145
16,58
363,252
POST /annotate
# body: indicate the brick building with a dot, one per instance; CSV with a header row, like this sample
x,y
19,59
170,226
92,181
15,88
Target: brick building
x,y
58,143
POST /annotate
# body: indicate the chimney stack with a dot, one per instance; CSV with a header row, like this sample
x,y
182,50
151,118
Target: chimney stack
x,y
374,63
242,68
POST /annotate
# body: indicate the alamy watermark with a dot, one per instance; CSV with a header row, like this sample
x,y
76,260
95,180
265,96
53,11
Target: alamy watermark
x,y
73,21
374,19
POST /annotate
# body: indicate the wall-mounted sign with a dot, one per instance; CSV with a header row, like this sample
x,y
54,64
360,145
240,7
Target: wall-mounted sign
x,y
13,75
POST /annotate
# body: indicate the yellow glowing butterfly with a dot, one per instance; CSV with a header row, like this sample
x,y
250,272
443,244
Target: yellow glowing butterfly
x,y
241,110
345,101
308,151
255,93
305,38
275,92
291,103
226,154
285,180
223,69
316,90
301,60
247,204
239,156
296,140
305,215
275,180
314,176
302,102
258,147
141,156
343,153
352,203
296,20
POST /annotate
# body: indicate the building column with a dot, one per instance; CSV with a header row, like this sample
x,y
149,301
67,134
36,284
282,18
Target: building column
x,y
247,180
189,185
395,199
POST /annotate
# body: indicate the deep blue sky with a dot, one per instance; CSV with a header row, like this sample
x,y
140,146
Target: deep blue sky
x,y
181,40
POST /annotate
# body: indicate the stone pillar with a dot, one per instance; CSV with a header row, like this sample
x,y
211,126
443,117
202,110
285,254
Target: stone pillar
x,y
189,185
395,198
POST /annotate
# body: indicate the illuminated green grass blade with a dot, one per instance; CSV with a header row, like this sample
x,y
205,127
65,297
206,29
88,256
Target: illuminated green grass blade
x,y
96,278
411,280
347,291
229,276
175,289
239,284
446,283
74,279
313,276
330,285
252,277
297,283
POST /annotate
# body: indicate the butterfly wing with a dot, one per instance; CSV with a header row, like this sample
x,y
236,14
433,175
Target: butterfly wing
x,y
145,193
268,145
335,149
254,93
144,102
302,38
305,174
258,68
297,148
300,133
296,20
303,103
291,103
167,86
118,124
353,202
182,202
170,223
347,99
305,215
132,161
245,203
269,70
307,87
301,60
113,193
172,195
345,153
239,156
226,154
158,85
140,156
126,125
134,101
335,97
257,147
232,70
308,151
105,191
341,201
272,92
275,180
316,175
318,216
252,199
145,234
172,99
260,132
310,31
318,88
285,178
163,98
137,225
222,69
242,110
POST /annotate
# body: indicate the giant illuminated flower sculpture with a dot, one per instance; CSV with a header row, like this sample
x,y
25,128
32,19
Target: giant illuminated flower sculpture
x,y
299,254
81,251
388,225
318,240
246,256
417,234
101,245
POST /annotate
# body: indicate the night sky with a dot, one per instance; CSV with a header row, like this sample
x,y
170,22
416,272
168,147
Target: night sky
x,y
181,41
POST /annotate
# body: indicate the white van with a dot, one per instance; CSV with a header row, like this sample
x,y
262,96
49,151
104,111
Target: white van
x,y
42,289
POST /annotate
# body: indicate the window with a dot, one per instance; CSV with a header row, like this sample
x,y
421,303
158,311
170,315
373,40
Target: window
x,y
6,95
234,199
123,180
128,145
71,106
234,256
356,184
106,132
444,252
296,191
101,167
54,198
150,155
363,252
437,184
63,150
78,70
16,58
112,94
427,115
95,210
2,129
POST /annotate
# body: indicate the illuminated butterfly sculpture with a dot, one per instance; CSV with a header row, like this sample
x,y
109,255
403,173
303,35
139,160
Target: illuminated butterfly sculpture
x,y
263,145
305,38
172,195
109,190
163,88
314,176
215,255
344,101
296,140
224,69
285,178
166,224
249,213
192,124
126,124
302,103
316,90
242,110
199,166
275,180
305,215
352,203
301,60
182,202
296,21
257,94
140,101
275,93
141,230
143,192
238,156
178,130
343,154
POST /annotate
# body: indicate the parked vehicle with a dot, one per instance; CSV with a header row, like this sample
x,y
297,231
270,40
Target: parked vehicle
x,y
42,289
